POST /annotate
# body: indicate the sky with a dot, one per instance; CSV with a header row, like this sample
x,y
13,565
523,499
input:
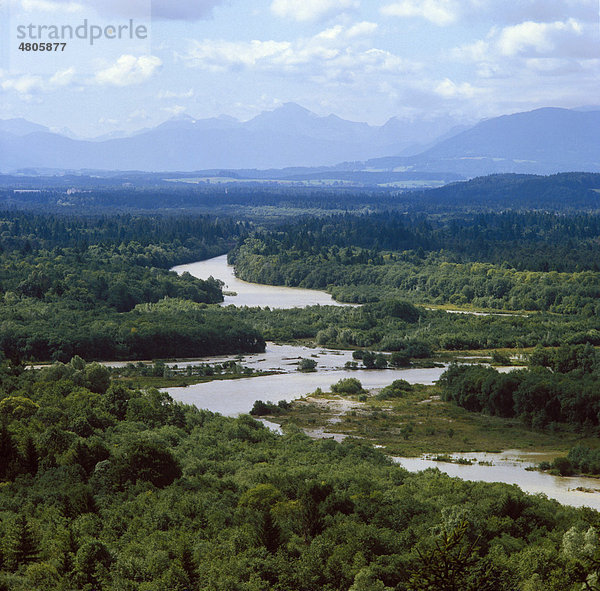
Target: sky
x,y
363,60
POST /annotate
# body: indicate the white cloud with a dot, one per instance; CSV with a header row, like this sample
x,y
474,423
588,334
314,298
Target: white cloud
x,y
364,28
439,12
332,54
530,64
449,89
174,110
26,84
169,94
311,10
128,70
221,55
537,38
513,45
138,115
63,77
447,12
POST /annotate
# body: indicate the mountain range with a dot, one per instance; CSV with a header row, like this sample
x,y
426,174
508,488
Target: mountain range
x,y
542,141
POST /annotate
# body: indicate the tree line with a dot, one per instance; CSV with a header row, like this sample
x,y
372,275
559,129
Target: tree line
x,y
109,488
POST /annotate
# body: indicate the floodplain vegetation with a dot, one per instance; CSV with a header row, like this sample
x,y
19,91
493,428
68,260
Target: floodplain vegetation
x,y
106,483
110,488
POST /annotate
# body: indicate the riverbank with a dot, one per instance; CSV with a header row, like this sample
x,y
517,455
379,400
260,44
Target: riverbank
x,y
420,423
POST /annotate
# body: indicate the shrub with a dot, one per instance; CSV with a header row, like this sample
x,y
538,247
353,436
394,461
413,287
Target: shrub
x,y
347,386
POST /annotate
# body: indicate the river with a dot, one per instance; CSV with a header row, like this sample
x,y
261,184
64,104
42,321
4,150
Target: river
x,y
253,294
232,397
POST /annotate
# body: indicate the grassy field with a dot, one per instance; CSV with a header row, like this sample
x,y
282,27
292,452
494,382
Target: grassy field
x,y
420,423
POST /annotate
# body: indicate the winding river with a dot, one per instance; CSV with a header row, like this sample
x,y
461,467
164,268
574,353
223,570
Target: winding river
x,y
232,397
253,294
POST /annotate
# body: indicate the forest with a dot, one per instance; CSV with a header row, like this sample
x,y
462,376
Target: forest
x,y
273,200
559,386
108,484
530,261
101,288
108,488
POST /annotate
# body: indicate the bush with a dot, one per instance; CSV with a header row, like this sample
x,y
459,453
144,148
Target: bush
x,y
397,389
399,359
500,358
307,365
563,466
347,386
261,408
149,461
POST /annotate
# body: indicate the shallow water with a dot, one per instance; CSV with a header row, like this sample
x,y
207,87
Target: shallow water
x,y
253,294
232,397
509,467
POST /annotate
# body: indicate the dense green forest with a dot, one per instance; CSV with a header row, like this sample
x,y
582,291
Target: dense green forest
x,y
104,486
100,288
107,488
511,261
560,386
377,325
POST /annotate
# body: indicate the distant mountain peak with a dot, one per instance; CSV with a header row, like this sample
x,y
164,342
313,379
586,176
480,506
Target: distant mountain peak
x,y
182,117
20,127
294,108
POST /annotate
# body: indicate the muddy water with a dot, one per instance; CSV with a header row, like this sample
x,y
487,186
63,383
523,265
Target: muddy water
x,y
509,467
253,294
233,397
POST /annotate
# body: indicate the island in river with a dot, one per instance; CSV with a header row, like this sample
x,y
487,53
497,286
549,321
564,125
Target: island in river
x,y
407,427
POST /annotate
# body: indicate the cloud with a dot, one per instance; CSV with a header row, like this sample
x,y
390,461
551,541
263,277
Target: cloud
x,y
311,10
138,115
162,9
128,70
439,12
49,6
531,64
169,94
448,12
532,38
174,110
63,77
449,89
219,55
26,84
364,28
332,52
562,40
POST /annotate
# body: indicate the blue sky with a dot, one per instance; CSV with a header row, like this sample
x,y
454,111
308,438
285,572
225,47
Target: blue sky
x,y
363,60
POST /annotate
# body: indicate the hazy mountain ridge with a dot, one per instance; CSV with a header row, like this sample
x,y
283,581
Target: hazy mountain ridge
x,y
287,136
543,141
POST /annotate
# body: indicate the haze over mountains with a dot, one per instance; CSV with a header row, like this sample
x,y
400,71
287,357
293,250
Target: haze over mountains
x,y
543,141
